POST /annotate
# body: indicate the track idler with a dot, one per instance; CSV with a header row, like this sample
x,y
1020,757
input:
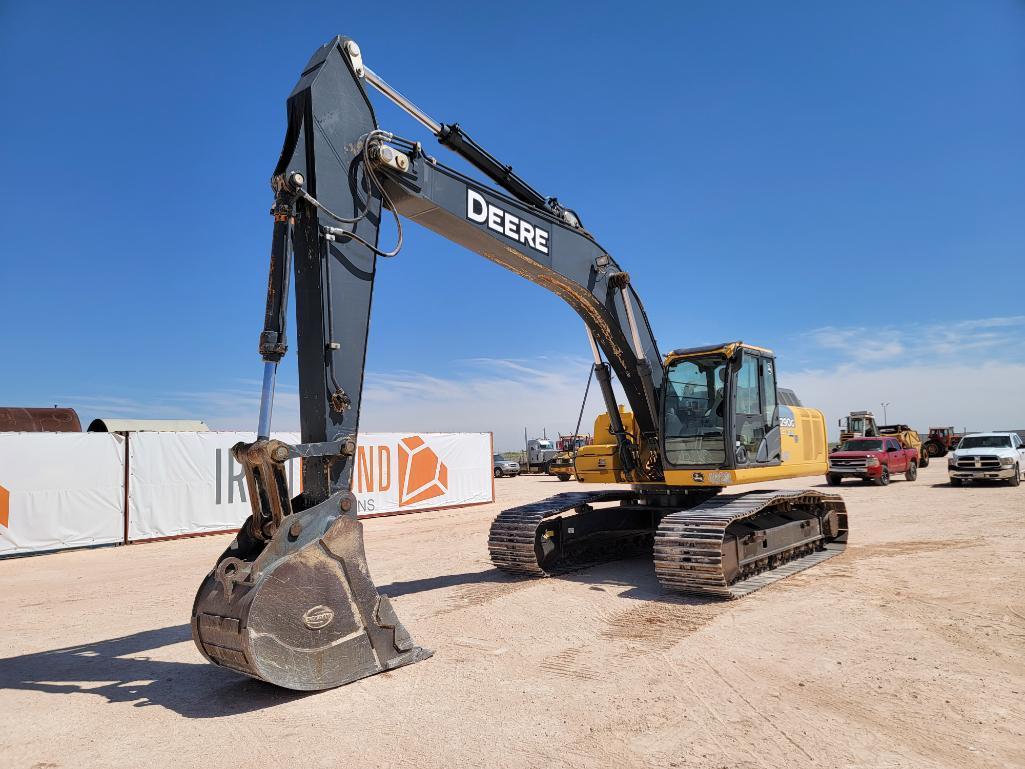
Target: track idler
x,y
291,601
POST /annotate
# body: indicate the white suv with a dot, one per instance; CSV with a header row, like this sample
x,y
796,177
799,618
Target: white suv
x,y
987,456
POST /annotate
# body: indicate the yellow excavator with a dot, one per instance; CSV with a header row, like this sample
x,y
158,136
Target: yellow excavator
x,y
291,601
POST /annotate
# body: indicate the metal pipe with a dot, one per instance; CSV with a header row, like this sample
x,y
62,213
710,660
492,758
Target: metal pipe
x,y
270,372
402,102
638,350
594,346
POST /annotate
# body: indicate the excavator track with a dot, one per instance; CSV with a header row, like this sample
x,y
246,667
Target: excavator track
x,y
732,545
518,546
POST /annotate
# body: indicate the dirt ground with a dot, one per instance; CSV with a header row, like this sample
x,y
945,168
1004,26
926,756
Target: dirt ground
x,y
906,651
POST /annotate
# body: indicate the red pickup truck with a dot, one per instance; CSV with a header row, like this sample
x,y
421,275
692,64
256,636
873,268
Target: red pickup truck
x,y
872,459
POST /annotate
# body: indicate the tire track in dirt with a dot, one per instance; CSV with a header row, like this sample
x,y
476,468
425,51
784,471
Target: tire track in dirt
x,y
658,626
568,665
481,593
758,713
893,549
904,723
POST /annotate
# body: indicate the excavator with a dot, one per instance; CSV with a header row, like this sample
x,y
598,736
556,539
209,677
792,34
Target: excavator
x,y
292,601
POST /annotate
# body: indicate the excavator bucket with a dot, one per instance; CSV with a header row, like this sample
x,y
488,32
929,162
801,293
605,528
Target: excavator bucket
x,y
291,601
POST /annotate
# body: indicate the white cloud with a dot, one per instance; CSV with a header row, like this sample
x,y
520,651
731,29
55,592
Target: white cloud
x,y
496,395
920,343
967,373
980,397
232,408
486,394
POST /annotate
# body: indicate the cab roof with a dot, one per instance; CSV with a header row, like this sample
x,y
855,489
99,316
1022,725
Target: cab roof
x,y
724,348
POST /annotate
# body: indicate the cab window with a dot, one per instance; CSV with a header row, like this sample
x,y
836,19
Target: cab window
x,y
694,412
753,411
748,423
747,387
768,391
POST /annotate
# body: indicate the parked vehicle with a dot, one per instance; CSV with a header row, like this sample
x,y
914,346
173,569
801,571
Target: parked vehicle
x,y
909,439
941,440
987,456
563,464
540,451
872,459
858,424
573,443
862,424
503,467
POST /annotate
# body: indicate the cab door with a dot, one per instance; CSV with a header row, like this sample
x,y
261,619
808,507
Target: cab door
x,y
896,457
755,422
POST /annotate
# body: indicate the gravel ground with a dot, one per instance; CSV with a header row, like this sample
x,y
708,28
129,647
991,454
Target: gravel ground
x,y
906,651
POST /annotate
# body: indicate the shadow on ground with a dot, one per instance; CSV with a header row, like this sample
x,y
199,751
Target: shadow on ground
x,y
123,670
120,670
636,574
397,589
981,482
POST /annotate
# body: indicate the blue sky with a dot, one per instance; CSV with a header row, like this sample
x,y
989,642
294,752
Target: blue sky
x,y
744,161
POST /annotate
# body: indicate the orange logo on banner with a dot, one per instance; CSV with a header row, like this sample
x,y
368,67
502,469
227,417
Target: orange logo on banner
x,y
5,507
422,474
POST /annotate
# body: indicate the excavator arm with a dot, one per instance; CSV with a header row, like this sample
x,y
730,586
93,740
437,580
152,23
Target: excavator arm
x,y
347,167
292,601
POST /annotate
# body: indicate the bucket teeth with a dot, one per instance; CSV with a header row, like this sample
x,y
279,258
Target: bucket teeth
x,y
308,615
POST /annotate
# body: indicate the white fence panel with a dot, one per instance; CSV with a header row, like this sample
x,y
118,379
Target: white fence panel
x,y
405,472
189,483
60,490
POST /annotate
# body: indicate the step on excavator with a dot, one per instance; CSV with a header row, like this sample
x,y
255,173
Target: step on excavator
x,y
291,601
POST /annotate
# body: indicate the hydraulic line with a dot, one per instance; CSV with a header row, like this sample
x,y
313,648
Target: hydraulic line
x,y
580,417
368,168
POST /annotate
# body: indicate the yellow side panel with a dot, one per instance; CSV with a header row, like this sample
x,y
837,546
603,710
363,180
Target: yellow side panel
x,y
803,441
599,463
601,426
803,447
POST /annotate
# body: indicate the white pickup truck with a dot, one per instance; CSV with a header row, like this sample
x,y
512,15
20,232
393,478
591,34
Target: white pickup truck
x,y
987,456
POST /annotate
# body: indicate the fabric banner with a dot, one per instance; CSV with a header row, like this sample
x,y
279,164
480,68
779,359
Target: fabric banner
x,y
60,490
405,472
189,483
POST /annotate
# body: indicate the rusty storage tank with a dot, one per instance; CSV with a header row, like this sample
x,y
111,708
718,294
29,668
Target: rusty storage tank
x,y
14,419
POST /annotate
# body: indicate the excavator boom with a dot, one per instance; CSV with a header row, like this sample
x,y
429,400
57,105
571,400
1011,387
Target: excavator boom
x,y
291,601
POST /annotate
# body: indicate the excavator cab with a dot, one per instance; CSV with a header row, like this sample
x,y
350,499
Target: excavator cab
x,y
723,423
720,408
